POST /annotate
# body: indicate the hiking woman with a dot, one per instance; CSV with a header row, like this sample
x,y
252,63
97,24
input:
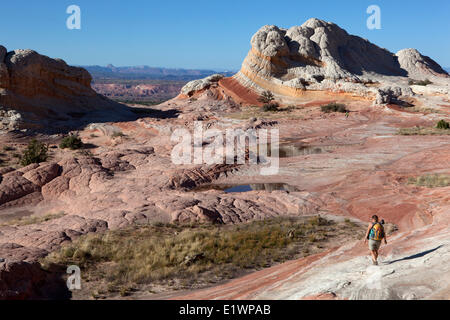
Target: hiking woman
x,y
375,234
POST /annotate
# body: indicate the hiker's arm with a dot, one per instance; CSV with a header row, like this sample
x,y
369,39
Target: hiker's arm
x,y
385,239
367,233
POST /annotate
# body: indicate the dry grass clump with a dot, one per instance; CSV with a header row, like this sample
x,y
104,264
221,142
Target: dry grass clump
x,y
431,181
164,252
422,131
334,107
33,219
424,110
290,112
425,82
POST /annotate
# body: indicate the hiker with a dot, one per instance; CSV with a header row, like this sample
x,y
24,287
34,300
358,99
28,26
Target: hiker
x,y
375,234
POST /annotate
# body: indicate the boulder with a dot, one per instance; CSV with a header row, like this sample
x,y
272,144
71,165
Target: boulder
x,y
391,94
43,174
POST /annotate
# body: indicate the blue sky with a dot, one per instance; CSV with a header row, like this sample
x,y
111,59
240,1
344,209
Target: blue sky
x,y
207,33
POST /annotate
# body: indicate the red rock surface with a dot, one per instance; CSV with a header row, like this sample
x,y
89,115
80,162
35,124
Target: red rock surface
x,y
364,172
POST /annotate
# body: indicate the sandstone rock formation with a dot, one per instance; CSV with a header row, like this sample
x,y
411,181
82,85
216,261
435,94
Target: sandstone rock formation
x,y
320,55
198,85
419,66
44,90
391,94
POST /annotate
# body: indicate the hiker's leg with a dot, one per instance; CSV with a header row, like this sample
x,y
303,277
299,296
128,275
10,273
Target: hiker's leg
x,y
373,253
376,255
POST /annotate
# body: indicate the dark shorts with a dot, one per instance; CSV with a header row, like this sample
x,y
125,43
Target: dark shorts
x,y
374,245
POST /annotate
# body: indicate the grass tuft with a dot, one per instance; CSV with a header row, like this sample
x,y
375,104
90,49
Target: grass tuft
x,y
431,181
420,82
271,107
33,220
422,131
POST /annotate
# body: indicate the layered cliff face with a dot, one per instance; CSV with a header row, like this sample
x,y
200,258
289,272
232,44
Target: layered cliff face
x,y
322,56
38,89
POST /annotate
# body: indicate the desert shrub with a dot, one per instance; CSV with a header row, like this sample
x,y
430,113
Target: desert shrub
x,y
443,125
71,142
118,134
420,82
334,107
271,107
8,148
34,219
36,152
290,108
266,97
422,131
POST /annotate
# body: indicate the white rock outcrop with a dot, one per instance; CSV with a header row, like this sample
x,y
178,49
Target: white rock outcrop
x,y
201,84
419,66
320,55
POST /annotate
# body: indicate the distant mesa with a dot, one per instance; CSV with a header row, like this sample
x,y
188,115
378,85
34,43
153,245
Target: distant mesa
x,y
148,73
320,55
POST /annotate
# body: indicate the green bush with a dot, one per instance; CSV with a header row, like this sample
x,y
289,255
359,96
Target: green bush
x,y
271,107
71,142
36,152
443,125
8,148
266,97
334,107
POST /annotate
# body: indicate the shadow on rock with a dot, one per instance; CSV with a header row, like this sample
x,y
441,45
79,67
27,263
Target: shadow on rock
x,y
415,256
20,280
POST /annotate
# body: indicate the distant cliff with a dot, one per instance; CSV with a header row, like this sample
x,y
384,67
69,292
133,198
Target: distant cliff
x,y
148,73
